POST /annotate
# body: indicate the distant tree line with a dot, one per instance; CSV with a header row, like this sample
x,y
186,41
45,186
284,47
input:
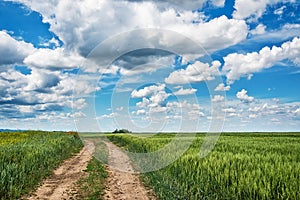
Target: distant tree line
x,y
121,131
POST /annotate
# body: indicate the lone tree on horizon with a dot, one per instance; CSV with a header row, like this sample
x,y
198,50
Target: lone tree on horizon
x,y
121,131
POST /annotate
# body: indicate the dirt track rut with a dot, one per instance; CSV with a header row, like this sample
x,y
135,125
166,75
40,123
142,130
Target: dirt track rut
x,y
123,182
62,184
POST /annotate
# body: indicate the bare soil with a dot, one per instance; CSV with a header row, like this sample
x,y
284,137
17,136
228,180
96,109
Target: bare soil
x,y
62,184
123,182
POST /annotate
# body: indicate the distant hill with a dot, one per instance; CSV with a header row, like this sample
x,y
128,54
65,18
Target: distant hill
x,y
10,130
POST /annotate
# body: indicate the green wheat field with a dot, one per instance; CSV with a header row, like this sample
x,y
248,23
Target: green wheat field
x,y
241,166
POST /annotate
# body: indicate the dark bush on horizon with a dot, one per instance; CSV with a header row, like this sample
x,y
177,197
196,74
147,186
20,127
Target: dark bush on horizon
x,y
121,131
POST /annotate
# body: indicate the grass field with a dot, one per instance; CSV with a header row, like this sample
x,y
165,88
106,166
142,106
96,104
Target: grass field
x,y
241,166
28,157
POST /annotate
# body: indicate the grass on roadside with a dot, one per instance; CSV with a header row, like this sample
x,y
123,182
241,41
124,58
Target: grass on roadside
x,y
92,186
26,158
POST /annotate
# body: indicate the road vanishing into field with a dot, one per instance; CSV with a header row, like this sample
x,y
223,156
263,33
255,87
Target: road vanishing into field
x,y
120,185
123,182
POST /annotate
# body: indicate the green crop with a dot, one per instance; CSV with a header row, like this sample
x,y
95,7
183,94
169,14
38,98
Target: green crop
x,y
28,157
241,166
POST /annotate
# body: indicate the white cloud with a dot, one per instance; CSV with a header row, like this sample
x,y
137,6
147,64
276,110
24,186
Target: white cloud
x,y
78,115
110,70
182,91
144,103
147,68
47,43
275,120
157,109
141,112
153,96
79,36
120,108
219,3
291,26
237,65
280,10
243,96
68,85
108,116
158,98
222,87
272,109
229,110
297,111
25,109
277,110
260,29
196,72
53,59
253,116
39,80
196,114
218,98
79,104
253,8
184,104
41,91
13,51
147,91
185,109
81,25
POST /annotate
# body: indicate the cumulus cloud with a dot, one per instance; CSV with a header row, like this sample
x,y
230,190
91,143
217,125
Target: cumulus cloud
x,y
231,112
243,96
140,112
47,90
153,96
108,116
297,111
237,65
270,111
178,4
222,87
185,109
197,72
154,101
40,80
146,91
260,29
79,36
13,51
253,8
79,104
183,91
41,91
218,98
53,59
184,104
219,3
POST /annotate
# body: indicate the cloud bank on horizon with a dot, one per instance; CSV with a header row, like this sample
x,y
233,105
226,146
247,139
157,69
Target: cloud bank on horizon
x,y
253,44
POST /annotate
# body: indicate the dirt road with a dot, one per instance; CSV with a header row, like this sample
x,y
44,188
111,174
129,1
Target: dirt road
x,y
123,185
120,185
61,185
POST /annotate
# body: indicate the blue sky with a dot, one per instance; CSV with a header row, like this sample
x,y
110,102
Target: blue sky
x,y
150,66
